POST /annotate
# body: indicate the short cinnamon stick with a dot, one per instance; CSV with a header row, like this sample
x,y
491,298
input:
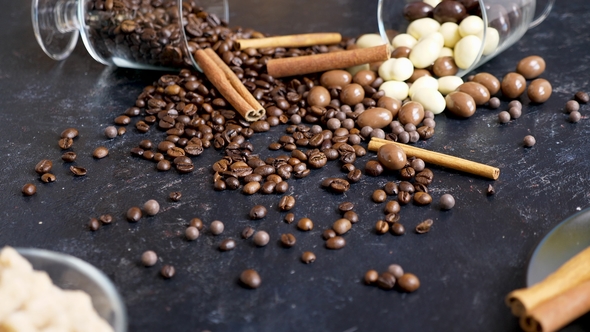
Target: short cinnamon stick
x,y
308,64
301,40
441,159
559,311
571,274
239,87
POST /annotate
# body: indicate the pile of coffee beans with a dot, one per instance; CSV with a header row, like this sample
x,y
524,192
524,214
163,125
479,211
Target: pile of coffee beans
x,y
392,277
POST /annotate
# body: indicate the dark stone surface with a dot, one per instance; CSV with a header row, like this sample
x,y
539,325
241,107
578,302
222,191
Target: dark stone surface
x,y
474,255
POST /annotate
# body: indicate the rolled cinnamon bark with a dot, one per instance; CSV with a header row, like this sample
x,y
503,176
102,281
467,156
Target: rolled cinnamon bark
x,y
301,40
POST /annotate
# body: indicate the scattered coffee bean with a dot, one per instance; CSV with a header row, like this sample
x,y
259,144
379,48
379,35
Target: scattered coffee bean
x,y
352,216
424,227
371,277
345,206
69,156
191,233
149,258
398,229
247,232
391,188
572,106
379,196
288,240
386,280
93,224
373,168
446,202
250,278
65,143
100,152
490,190
227,245
308,257
69,133
582,97
392,218
175,196
44,166
257,212
197,222
305,224
396,270
167,271
381,227
216,227
286,203
529,141
78,171
48,177
392,207
408,282
110,132
335,243
261,238
341,226
289,218
404,197
151,207
422,198
134,214
106,219
575,116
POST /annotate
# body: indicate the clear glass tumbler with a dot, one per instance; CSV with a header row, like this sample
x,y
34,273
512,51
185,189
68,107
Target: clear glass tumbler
x,y
127,33
504,23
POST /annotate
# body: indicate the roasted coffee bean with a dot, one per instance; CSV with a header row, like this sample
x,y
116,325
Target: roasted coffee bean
x,y
345,206
341,226
424,177
408,282
354,176
100,152
250,278
149,258
191,233
216,227
381,227
288,240
379,196
167,271
446,202
424,226
396,270
227,245
386,280
232,183
407,173
422,198
163,165
247,232
44,166
582,97
339,186
308,257
47,178
317,160
352,216
93,224
404,197
69,133
175,196
392,217
406,186
134,214
335,243
397,229
392,207
305,224
286,203
68,157
251,188
65,143
151,207
289,218
261,238
371,277
391,188
373,168
197,222
78,171
257,212
282,187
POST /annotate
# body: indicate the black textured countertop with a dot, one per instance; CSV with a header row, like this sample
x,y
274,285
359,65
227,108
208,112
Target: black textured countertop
x,y
475,254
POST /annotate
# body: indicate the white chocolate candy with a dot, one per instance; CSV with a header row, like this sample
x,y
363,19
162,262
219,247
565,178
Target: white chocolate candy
x,y
427,50
404,39
424,82
445,51
491,42
471,25
423,27
431,100
433,3
369,40
396,69
450,32
395,89
466,51
355,69
448,84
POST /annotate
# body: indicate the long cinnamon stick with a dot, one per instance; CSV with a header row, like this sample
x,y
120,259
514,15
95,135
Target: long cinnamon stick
x,y
308,64
441,159
301,40
238,86
571,274
220,81
558,311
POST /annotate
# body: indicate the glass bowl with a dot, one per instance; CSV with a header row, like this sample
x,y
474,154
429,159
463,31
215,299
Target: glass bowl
x,y
68,272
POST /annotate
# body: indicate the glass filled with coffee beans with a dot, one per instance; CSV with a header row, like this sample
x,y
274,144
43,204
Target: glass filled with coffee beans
x,y
141,34
464,33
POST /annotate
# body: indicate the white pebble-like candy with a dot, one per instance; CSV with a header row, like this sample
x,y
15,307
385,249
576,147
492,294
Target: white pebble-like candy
x,y
466,51
445,51
369,40
396,69
433,3
404,39
471,25
355,69
448,84
427,50
395,89
450,32
423,27
431,100
491,42
424,82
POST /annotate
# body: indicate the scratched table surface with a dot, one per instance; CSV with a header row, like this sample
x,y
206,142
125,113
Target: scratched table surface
x,y
474,255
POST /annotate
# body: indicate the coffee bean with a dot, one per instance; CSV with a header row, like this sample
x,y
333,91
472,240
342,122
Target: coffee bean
x,y
163,165
345,206
250,278
424,177
354,175
175,196
288,240
392,207
404,197
371,277
381,227
396,270
286,203
373,168
335,243
134,214
78,171
446,202
392,217
424,226
379,196
422,198
65,143
341,226
261,238
48,177
100,152
216,227
110,132
106,219
44,166
149,258
191,233
328,234
251,188
257,212
93,224
397,229
408,282
386,280
227,245
167,271
305,224
289,218
582,97
339,186
68,157
151,207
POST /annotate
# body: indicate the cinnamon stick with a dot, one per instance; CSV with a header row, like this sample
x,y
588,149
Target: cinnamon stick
x,y
301,40
238,86
571,274
441,159
220,81
558,311
308,64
